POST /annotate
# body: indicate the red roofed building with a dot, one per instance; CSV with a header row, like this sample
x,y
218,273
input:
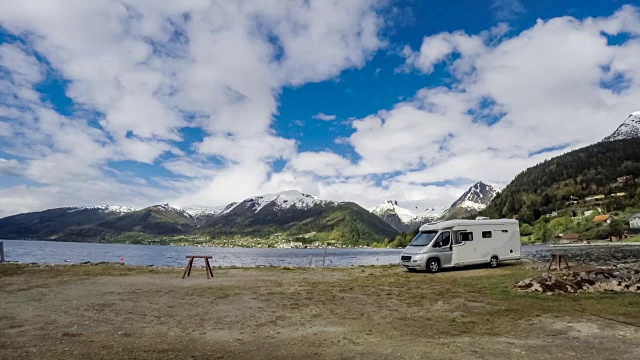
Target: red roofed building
x,y
604,218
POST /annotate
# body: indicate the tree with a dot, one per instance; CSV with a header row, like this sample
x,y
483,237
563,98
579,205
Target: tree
x,y
541,231
526,230
560,225
617,228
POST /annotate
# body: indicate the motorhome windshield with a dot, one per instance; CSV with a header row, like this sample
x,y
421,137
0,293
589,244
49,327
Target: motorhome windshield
x,y
423,238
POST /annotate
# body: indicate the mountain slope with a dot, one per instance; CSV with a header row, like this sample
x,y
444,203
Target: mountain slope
x,y
475,199
406,216
54,222
629,129
294,213
349,223
289,214
591,170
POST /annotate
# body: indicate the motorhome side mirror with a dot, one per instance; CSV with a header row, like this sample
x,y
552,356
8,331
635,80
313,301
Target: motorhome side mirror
x,y
437,244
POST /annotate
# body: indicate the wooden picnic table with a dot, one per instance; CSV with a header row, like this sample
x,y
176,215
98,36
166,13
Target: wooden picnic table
x,y
187,271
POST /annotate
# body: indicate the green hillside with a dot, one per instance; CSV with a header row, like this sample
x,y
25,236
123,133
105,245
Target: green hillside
x,y
347,223
592,170
564,194
340,223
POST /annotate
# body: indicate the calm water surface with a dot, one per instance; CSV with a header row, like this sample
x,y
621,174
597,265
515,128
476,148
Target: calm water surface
x,y
51,252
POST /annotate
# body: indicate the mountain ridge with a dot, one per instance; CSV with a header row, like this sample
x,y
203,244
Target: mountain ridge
x,y
288,214
406,216
630,128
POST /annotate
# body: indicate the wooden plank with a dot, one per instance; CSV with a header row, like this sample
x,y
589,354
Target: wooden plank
x,y
209,270
186,269
190,266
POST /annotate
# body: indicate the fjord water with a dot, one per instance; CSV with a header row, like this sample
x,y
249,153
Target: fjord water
x,y
52,252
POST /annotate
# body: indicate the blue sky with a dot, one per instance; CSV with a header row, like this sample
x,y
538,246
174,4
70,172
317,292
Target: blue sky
x,y
140,102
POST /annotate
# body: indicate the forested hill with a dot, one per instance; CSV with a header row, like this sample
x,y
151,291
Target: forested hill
x,y
592,170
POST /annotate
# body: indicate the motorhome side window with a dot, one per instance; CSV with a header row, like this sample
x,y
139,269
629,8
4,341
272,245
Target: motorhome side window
x,y
464,236
486,234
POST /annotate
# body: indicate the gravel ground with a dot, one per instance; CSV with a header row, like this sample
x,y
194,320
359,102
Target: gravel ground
x,y
121,312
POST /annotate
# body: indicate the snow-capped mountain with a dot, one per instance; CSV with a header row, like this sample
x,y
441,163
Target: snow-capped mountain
x,y
282,200
288,214
407,215
118,209
198,210
630,128
473,200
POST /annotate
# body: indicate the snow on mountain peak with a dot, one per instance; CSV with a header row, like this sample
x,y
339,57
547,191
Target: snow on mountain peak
x,y
629,129
477,197
409,211
119,209
284,200
198,210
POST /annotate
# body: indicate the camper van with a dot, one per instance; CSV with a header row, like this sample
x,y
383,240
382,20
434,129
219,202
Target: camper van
x,y
457,243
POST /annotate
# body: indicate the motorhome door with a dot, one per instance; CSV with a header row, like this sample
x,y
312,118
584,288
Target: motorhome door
x,y
442,246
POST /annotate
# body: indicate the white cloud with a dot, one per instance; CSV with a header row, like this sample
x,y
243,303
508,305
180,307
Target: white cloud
x,y
515,102
140,71
324,117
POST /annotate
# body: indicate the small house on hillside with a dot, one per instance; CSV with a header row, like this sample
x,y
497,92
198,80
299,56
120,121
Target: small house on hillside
x,y
594,197
625,179
604,218
634,221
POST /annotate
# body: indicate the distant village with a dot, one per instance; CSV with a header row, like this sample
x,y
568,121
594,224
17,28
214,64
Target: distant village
x,y
595,206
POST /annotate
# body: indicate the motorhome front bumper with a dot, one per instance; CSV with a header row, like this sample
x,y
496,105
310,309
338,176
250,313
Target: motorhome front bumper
x,y
414,261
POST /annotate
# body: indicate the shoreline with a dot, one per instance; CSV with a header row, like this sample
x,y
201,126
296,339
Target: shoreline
x,y
600,244
207,245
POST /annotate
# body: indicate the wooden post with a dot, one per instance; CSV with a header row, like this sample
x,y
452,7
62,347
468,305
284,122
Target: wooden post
x,y
325,254
1,252
310,261
187,271
208,266
556,259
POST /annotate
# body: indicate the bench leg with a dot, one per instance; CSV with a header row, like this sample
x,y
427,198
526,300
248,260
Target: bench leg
x,y
187,268
190,266
209,270
187,271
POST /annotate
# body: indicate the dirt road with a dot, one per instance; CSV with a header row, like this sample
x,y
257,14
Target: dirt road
x,y
120,312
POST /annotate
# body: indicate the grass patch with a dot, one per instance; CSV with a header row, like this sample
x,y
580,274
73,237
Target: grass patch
x,y
634,238
67,271
500,287
527,240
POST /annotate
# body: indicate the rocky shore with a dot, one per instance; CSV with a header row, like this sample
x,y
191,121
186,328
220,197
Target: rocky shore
x,y
613,279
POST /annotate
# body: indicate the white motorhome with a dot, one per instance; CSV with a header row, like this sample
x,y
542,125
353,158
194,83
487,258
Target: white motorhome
x,y
456,243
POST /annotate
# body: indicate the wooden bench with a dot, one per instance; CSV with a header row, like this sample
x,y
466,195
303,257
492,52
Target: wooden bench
x,y
557,259
187,271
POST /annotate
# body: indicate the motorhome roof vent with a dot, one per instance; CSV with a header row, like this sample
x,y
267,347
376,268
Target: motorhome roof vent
x,y
482,218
